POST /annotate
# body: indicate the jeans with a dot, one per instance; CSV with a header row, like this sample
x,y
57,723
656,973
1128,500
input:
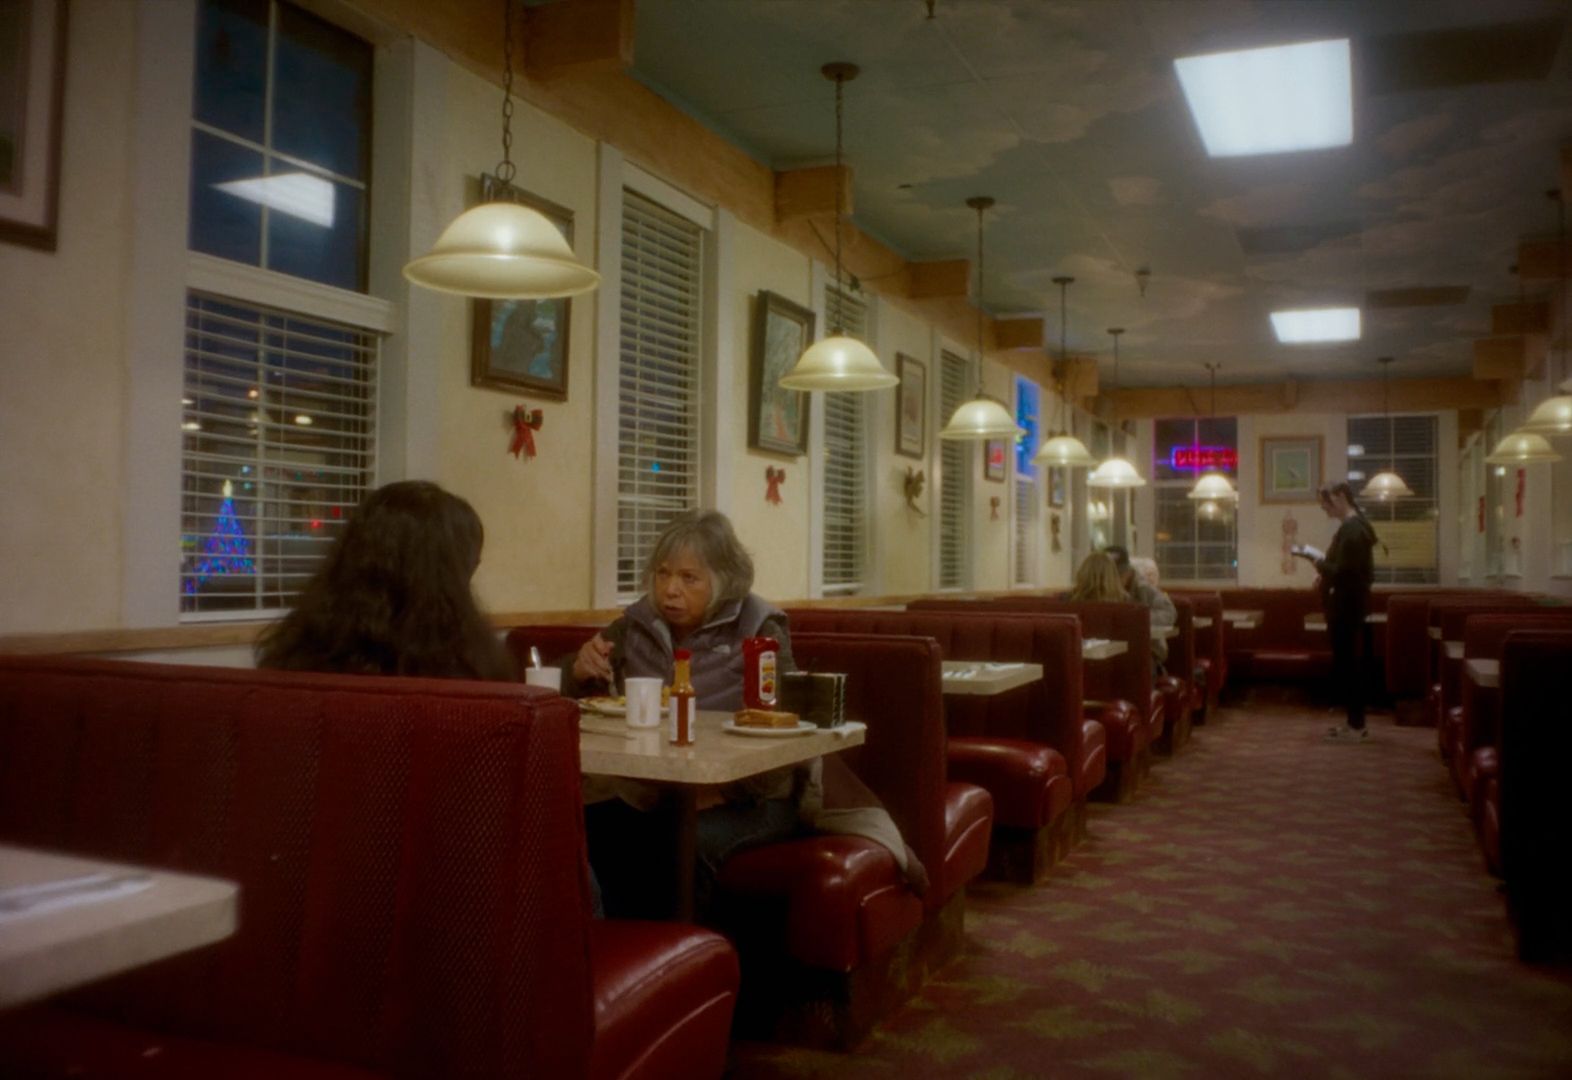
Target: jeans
x,y
732,827
1347,631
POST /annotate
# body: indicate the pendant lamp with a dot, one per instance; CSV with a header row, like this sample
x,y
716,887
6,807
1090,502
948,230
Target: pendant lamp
x,y
1522,448
1213,485
982,417
1553,416
1061,448
501,249
838,362
1115,471
1387,485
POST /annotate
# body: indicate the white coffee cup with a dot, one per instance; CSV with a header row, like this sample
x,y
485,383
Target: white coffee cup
x,y
643,694
544,676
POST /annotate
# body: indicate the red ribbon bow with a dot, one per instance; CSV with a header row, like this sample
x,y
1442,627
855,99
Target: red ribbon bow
x,y
525,423
775,478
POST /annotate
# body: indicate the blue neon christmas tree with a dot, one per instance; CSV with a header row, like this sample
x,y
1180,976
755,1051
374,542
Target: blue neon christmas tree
x,y
227,551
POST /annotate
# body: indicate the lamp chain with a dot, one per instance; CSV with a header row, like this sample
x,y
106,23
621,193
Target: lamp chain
x,y
506,170
840,291
1561,254
980,209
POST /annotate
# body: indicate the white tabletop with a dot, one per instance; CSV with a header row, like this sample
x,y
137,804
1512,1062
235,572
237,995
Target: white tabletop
x,y
1485,673
1454,650
609,747
1377,617
1234,615
1102,649
1317,623
1435,633
1164,633
974,677
1201,622
119,917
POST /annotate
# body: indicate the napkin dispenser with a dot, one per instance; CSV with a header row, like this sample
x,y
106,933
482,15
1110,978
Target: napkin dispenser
x,y
818,697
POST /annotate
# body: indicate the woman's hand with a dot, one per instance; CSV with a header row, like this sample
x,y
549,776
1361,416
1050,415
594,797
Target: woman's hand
x,y
593,660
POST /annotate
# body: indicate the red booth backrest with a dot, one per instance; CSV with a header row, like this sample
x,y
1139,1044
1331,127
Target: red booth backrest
x,y
409,853
557,644
1408,637
1209,642
1452,616
1127,677
1484,635
893,685
1282,626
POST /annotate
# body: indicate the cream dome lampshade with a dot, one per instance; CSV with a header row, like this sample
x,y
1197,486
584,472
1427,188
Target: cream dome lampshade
x,y
503,250
1115,471
1061,448
1212,486
982,417
1522,448
838,362
1553,416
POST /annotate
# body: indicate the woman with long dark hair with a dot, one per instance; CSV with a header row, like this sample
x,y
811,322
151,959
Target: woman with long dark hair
x,y
393,595
1346,572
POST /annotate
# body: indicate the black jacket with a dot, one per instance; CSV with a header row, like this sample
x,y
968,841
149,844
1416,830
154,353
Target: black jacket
x,y
1348,569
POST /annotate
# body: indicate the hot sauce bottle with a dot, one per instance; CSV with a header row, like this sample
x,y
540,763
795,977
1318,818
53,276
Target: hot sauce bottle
x,y
759,656
684,705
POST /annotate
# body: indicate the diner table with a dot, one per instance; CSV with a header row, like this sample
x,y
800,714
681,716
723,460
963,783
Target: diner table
x,y
1485,673
1454,650
1202,622
1243,620
1102,648
609,747
67,920
1316,624
973,677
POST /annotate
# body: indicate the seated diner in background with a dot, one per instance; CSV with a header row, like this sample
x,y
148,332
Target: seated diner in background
x,y
1098,579
698,596
1148,595
393,596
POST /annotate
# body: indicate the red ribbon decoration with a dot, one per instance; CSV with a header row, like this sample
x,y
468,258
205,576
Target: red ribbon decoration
x,y
775,478
525,423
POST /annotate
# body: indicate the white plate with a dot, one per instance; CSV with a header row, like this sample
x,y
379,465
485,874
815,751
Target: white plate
x,y
606,706
802,728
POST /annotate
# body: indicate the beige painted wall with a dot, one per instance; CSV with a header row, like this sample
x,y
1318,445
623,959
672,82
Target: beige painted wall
x,y
902,536
1261,526
61,355
990,533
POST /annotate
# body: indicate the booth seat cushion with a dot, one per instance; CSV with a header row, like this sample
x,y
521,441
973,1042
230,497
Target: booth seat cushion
x,y
1490,824
663,999
47,1041
1030,782
1094,756
1156,717
1484,765
1449,731
846,903
968,821
1298,665
1124,729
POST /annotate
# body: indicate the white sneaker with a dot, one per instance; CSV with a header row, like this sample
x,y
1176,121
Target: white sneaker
x,y
1345,733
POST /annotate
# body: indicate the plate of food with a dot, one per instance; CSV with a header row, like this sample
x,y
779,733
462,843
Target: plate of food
x,y
766,724
605,705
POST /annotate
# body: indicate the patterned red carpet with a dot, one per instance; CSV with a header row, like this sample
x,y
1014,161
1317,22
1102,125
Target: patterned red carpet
x,y
1269,905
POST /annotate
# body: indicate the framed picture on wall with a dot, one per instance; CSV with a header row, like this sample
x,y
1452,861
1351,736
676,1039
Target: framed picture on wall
x,y
911,412
996,453
1056,485
777,418
522,345
32,60
1290,468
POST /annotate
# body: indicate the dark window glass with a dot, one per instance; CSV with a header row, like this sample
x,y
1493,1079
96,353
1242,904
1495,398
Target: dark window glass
x,y
329,253
231,66
322,94
222,222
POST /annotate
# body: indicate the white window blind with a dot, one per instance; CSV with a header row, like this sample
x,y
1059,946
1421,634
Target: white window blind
x,y
955,389
1193,540
845,471
279,423
1408,528
1025,530
658,379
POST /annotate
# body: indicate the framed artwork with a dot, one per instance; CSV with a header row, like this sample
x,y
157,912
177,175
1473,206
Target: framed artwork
x,y
996,453
1290,468
32,84
522,345
777,418
911,412
1056,485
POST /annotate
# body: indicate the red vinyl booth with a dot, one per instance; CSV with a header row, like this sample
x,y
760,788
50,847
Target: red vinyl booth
x,y
410,858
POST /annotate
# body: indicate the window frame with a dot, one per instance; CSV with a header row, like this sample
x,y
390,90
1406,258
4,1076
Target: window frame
x,y
961,471
867,425
1161,485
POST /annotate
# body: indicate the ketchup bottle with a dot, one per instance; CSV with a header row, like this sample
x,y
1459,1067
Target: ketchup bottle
x,y
759,655
684,705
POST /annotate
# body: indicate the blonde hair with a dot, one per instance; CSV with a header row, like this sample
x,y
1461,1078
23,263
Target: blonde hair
x,y
1098,579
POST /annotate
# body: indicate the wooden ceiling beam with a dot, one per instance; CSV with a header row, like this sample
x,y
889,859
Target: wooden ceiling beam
x,y
1500,357
1018,333
1331,396
575,36
1468,422
801,193
1540,260
939,280
1526,317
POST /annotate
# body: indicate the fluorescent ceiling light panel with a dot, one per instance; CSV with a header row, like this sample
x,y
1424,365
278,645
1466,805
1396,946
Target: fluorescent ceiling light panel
x,y
1272,100
1316,324
300,195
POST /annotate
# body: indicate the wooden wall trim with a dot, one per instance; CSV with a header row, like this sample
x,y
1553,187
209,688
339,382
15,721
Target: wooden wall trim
x,y
1330,396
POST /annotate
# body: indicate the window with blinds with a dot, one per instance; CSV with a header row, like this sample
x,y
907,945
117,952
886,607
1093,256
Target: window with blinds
x,y
845,463
279,422
658,379
955,488
1027,531
1194,540
1408,528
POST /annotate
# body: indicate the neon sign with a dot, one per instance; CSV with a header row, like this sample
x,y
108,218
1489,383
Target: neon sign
x,y
1222,458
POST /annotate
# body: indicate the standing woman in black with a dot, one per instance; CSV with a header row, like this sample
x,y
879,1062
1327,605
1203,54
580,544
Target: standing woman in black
x,y
1346,572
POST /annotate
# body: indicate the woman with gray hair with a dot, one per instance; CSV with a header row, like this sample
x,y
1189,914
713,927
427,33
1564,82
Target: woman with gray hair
x,y
697,596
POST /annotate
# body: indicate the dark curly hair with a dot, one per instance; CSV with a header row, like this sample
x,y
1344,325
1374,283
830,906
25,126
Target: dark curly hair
x,y
393,595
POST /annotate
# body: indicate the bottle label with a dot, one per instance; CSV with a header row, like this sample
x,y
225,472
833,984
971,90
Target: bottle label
x,y
767,696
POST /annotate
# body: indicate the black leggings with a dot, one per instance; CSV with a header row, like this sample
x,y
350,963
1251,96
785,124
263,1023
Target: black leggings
x,y
1348,651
